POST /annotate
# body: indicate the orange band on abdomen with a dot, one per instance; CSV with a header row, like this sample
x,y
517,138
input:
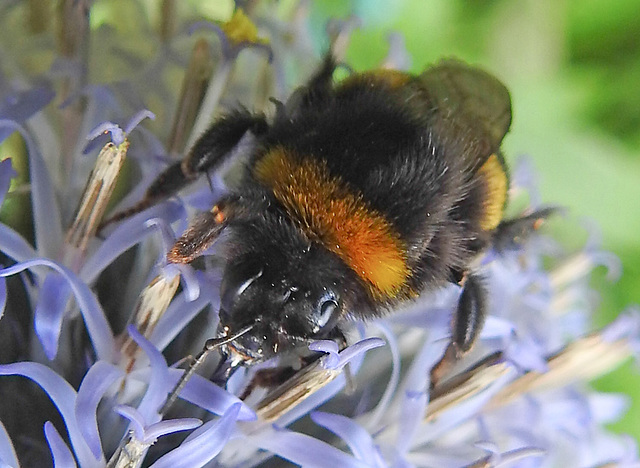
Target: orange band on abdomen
x,y
327,211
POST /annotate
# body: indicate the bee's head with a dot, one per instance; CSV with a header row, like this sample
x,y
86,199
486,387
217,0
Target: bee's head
x,y
286,311
291,290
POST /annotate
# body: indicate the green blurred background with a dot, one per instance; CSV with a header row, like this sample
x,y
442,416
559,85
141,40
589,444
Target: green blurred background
x,y
573,68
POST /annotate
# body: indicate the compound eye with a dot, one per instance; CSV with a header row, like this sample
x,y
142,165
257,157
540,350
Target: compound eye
x,y
326,312
235,283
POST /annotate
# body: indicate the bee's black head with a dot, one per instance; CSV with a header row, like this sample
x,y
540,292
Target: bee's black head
x,y
291,290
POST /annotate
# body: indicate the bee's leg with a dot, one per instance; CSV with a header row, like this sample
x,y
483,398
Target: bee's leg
x,y
274,376
512,232
220,140
467,324
320,84
207,227
317,90
211,150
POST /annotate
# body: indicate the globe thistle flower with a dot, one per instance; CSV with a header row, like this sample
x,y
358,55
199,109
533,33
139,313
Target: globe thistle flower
x,y
90,320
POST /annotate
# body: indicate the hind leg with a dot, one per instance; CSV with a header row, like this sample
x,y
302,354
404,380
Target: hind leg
x,y
467,323
471,312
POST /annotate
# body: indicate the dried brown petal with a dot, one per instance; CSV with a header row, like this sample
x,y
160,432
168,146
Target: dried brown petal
x,y
96,195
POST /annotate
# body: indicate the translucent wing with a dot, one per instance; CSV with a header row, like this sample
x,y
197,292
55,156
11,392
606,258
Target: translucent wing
x,y
469,104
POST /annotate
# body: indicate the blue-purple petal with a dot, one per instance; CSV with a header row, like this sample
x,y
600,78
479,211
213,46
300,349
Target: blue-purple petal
x,y
8,455
126,235
606,408
6,174
14,245
304,450
159,384
3,295
49,312
354,351
169,426
610,261
411,415
629,458
496,328
64,397
626,325
96,142
330,347
203,199
507,459
46,212
19,106
203,445
354,435
417,377
207,395
179,313
137,118
198,25
117,134
527,354
92,314
397,57
188,278
167,235
95,383
135,418
62,456
394,378
227,48
524,176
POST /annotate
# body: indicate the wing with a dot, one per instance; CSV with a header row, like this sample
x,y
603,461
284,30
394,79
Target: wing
x,y
469,103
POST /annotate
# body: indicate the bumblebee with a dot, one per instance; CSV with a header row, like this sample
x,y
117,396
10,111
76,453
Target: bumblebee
x,y
356,198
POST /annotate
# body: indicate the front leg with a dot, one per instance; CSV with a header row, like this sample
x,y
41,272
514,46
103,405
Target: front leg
x,y
272,377
210,151
207,227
